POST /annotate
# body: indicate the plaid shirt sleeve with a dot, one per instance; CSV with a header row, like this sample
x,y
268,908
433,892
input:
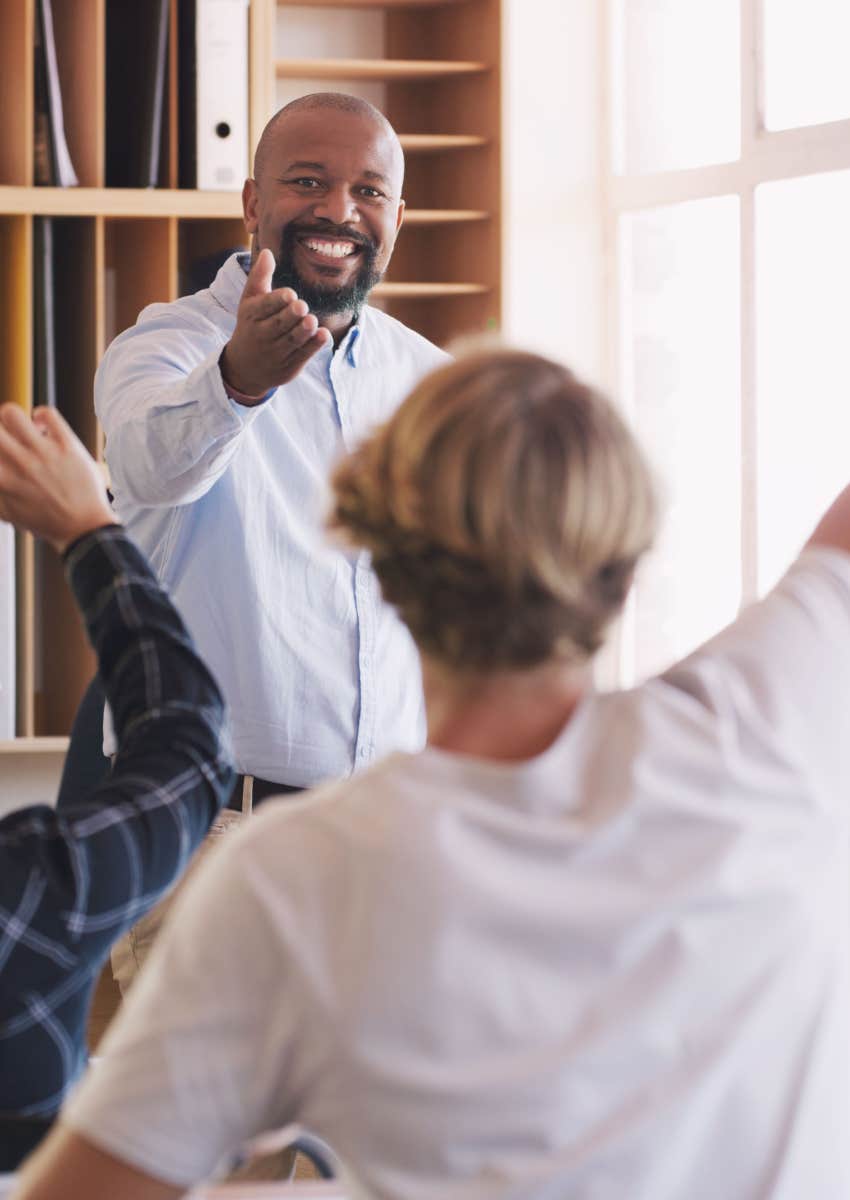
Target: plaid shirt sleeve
x,y
72,882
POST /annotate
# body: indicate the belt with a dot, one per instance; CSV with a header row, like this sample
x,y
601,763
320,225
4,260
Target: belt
x,y
249,791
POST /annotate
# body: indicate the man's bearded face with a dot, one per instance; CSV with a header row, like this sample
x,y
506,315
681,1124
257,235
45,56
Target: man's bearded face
x,y
338,244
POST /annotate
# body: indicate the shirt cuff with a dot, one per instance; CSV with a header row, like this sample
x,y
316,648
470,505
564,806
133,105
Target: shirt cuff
x,y
72,546
240,397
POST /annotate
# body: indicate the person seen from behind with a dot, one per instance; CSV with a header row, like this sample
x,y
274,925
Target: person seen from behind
x,y
582,944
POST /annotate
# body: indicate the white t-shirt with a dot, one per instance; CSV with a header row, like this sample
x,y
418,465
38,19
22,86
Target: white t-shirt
x,y
618,971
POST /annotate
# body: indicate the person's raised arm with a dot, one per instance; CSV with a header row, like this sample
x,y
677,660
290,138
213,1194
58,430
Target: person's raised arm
x,y
166,391
833,529
69,1165
784,664
171,773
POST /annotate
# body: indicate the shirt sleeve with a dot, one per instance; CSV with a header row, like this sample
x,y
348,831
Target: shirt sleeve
x,y
778,678
201,1056
91,869
171,429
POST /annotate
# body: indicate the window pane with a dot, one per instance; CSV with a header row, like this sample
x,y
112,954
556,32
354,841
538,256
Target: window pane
x,y
678,84
803,267
680,289
806,77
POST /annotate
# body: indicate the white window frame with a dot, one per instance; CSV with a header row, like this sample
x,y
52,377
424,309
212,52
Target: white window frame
x,y
765,156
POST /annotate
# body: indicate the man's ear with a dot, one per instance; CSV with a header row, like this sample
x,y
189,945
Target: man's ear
x,y
399,217
250,205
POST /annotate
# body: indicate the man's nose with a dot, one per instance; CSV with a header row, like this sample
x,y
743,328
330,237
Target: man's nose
x,y
338,206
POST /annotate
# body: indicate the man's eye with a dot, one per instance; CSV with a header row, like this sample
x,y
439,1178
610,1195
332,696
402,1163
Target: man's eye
x,y
306,181
371,193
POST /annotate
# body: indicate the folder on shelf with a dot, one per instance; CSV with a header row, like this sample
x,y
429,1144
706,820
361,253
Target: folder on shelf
x,y
136,73
44,320
53,165
213,56
7,631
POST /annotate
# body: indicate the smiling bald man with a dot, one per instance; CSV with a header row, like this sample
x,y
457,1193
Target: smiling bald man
x,y
224,412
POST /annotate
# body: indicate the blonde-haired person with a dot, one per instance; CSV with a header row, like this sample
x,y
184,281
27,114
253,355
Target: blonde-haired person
x,y
582,945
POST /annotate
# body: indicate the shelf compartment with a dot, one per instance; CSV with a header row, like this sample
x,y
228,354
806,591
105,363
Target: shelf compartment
x,y
79,30
16,309
137,270
438,143
384,70
203,247
64,662
16,315
428,291
119,202
74,268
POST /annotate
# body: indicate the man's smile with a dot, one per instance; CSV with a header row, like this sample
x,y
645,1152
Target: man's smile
x,y
329,247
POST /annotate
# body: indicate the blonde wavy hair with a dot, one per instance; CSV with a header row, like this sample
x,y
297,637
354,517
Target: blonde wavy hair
x,y
505,506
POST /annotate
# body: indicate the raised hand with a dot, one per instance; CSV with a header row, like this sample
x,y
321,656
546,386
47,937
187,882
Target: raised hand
x,y
49,483
275,334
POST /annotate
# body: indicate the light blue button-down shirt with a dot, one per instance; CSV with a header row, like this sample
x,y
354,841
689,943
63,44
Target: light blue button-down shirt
x,y
229,502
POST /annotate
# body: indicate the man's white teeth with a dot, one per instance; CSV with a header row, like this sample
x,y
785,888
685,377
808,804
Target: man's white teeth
x,y
331,249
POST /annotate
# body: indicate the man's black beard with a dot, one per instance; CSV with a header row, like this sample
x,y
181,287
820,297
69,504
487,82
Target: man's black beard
x,y
326,301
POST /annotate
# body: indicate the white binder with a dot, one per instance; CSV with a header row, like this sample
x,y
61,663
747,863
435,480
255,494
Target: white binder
x,y
221,94
7,631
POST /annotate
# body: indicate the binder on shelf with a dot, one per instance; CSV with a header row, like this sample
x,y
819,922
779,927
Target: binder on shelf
x,y
136,73
213,109
53,166
7,631
44,319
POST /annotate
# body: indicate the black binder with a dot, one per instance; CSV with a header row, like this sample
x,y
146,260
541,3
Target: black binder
x,y
136,74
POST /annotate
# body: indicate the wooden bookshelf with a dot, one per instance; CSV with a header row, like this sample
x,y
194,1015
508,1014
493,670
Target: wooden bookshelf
x,y
119,249
440,69
123,248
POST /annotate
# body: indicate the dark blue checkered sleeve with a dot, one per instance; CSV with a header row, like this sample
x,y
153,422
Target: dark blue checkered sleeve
x,y
71,882
82,876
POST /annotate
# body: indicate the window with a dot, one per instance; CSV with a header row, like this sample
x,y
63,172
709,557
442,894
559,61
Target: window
x,y
726,192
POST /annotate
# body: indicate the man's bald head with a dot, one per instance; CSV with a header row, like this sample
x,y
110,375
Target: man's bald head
x,y
332,102
326,200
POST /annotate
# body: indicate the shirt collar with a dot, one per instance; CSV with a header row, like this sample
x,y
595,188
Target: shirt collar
x,y
350,344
